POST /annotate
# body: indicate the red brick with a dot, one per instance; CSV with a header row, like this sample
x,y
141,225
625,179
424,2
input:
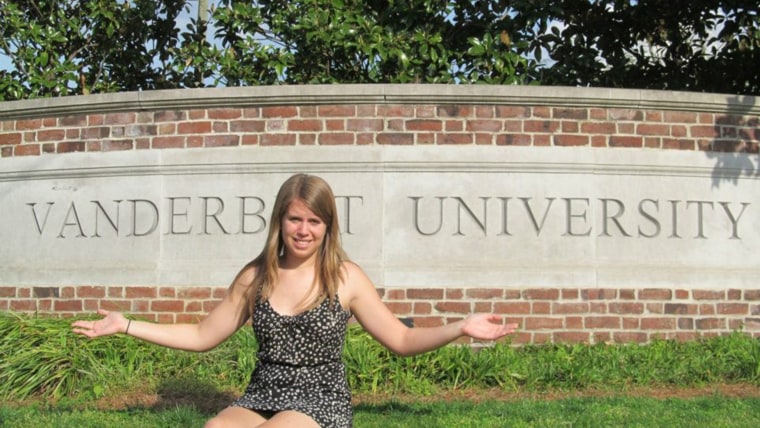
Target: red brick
x,y
484,125
459,139
707,309
335,125
26,150
23,305
598,294
425,293
662,324
10,138
570,337
7,291
428,321
541,307
569,294
279,111
167,292
221,140
423,125
400,308
68,305
117,145
120,118
299,125
277,140
623,141
485,293
364,125
393,294
200,293
513,140
543,323
70,146
732,308
116,305
512,112
167,306
455,307
571,140
422,308
574,323
629,337
247,126
570,113
650,129
625,114
680,309
709,294
602,322
655,294
187,318
224,113
542,126
336,111
140,292
454,294
509,308
541,294
336,138
570,308
710,324
91,291
680,117
454,110
194,127
169,142
193,306
626,308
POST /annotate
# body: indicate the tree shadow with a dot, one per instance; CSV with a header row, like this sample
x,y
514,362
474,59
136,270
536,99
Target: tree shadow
x,y
736,145
190,392
390,408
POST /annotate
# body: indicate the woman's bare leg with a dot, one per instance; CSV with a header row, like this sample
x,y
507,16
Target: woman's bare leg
x,y
290,419
234,417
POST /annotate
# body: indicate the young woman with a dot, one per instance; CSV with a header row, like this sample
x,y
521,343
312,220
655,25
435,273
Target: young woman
x,y
299,293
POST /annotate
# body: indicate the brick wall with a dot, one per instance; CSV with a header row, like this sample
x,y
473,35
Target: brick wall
x,y
664,121
588,315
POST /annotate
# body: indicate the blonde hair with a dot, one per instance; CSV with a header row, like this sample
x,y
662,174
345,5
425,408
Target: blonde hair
x,y
317,195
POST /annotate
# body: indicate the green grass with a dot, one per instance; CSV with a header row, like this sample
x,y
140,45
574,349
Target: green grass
x,y
81,381
711,411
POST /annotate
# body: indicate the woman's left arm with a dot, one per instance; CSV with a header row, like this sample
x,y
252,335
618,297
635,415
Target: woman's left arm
x,y
383,325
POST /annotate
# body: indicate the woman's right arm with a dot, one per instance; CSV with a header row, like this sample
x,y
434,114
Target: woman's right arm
x,y
217,326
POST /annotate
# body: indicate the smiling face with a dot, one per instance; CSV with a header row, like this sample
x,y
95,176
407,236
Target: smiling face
x,y
303,233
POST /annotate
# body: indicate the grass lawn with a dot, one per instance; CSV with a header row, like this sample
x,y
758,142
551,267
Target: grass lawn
x,y
690,410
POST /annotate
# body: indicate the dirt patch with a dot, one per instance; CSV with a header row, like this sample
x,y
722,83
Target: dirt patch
x,y
731,391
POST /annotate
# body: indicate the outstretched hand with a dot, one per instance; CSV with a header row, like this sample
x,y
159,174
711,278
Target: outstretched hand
x,y
486,327
111,323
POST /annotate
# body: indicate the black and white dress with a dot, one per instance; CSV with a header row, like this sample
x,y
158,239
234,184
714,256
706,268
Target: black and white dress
x,y
299,365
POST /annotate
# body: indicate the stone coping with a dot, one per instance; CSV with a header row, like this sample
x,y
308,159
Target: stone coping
x,y
381,93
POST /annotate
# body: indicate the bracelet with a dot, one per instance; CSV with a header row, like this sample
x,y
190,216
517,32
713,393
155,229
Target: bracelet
x,y
128,324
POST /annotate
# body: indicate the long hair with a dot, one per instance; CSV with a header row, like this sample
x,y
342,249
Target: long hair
x,y
317,195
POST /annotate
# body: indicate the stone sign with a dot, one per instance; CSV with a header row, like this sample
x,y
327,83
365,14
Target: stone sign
x,y
411,216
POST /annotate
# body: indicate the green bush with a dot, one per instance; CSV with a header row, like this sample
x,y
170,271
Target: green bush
x,y
41,357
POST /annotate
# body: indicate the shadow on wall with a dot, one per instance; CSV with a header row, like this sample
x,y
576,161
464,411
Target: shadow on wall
x,y
736,146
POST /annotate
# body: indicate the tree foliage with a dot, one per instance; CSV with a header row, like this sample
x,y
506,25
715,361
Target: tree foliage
x,y
58,47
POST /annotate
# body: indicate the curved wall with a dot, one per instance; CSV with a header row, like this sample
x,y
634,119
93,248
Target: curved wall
x,y
582,214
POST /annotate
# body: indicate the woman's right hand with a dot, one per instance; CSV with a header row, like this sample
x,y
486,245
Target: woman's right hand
x,y
111,323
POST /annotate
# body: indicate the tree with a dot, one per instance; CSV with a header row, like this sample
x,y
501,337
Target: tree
x,y
73,47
